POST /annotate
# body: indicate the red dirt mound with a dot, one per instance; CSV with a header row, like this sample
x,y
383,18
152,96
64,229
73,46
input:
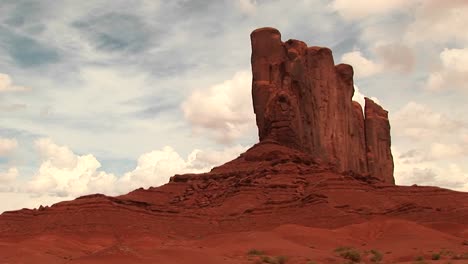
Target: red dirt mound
x,y
272,198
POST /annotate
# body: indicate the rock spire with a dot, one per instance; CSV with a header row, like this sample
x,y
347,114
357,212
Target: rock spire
x,y
304,101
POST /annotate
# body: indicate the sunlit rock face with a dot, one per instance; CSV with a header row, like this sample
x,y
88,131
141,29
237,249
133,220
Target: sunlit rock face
x,y
304,101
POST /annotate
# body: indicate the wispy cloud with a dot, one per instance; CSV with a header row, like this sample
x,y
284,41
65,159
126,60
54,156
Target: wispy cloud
x,y
6,84
7,145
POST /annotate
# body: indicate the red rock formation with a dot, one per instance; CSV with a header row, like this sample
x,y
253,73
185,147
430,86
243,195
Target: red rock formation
x,y
358,140
268,187
379,155
302,100
277,196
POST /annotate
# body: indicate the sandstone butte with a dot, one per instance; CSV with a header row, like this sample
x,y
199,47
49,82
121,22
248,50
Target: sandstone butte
x,y
320,178
303,101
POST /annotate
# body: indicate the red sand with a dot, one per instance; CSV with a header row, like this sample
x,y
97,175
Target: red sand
x,y
272,198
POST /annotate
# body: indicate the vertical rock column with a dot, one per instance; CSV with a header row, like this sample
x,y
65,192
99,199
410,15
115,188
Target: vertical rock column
x,y
302,100
358,143
350,136
276,108
378,142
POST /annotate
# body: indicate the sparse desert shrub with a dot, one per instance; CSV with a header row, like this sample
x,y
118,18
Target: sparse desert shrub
x,y
341,249
376,255
255,252
460,256
352,255
274,260
435,256
445,252
267,259
419,260
349,254
281,259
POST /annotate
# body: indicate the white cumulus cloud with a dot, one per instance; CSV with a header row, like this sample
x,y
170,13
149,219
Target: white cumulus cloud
x,y
156,167
453,73
455,59
248,6
224,109
362,66
420,122
437,21
17,200
431,149
58,156
6,84
446,151
63,173
358,9
413,168
8,176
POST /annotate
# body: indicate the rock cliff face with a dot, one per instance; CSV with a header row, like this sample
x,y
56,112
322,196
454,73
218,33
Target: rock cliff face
x,y
379,155
195,217
302,100
278,195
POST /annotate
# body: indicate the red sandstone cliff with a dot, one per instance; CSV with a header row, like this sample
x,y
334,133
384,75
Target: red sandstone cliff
x,y
278,197
379,155
217,217
302,100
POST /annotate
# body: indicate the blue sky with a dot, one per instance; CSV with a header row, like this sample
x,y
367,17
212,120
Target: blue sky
x,y
103,96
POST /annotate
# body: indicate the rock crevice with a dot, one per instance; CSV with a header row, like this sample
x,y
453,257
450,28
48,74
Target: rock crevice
x,y
303,101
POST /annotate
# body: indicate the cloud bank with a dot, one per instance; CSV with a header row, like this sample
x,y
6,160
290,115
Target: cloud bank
x,y
224,109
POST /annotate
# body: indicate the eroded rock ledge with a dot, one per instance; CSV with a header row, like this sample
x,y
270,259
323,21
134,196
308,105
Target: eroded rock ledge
x,y
304,101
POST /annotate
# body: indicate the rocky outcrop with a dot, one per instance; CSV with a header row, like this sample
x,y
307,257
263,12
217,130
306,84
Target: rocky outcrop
x,y
278,192
379,155
268,186
302,100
